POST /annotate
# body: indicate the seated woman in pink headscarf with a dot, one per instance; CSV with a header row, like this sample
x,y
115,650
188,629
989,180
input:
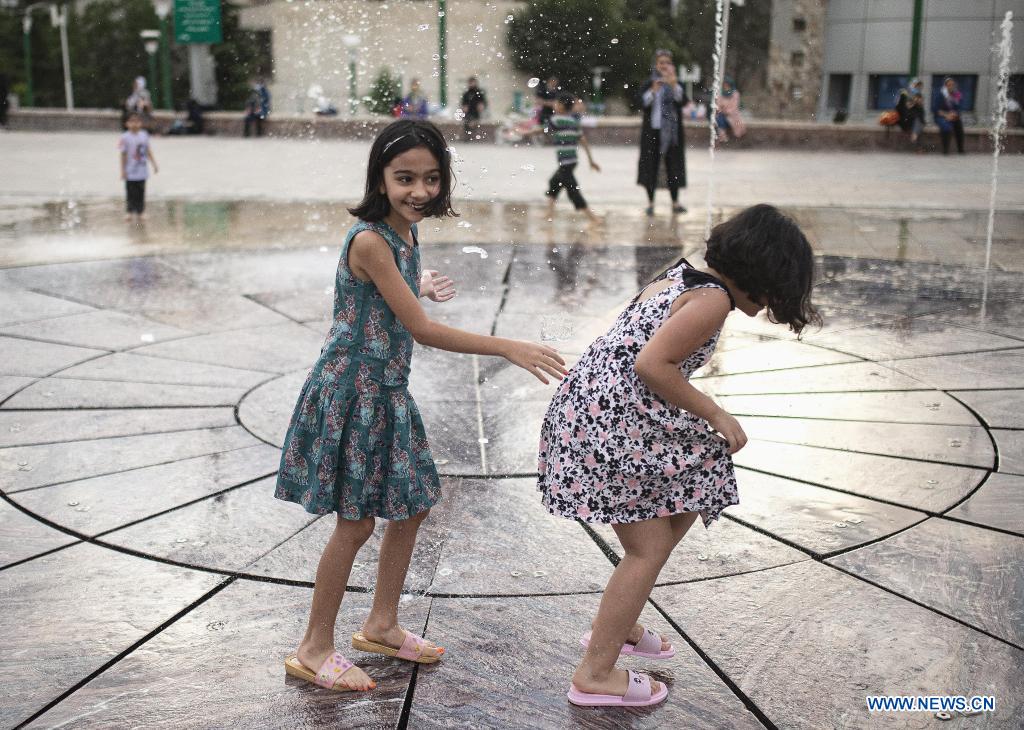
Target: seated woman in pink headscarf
x,y
728,118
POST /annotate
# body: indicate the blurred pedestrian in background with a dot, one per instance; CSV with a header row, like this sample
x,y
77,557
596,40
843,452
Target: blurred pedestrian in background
x,y
946,110
662,138
473,103
257,107
728,119
138,102
415,102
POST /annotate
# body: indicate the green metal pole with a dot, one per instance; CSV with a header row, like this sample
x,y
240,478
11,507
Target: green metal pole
x,y
353,102
442,49
30,96
915,38
152,74
165,62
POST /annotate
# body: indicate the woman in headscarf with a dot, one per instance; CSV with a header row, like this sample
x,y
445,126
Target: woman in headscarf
x,y
946,110
662,137
728,119
138,102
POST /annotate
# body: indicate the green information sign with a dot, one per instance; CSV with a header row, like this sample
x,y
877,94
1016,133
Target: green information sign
x,y
197,21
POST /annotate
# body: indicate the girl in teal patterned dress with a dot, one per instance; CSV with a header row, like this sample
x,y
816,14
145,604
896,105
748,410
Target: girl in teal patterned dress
x,y
356,444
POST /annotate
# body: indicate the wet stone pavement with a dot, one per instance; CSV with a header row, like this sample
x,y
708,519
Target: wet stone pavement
x,y
148,576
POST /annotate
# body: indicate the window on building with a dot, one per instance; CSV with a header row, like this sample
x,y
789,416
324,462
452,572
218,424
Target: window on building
x,y
1016,90
839,90
796,59
799,25
967,83
884,90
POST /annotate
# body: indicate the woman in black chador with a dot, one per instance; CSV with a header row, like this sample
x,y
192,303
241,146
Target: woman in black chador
x,y
662,137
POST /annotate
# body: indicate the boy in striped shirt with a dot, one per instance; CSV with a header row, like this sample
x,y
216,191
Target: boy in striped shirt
x,y
564,127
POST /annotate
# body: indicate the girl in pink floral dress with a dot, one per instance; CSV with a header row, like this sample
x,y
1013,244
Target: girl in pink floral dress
x,y
628,441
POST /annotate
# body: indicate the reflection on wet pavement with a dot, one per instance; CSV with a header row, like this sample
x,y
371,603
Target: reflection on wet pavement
x,y
147,377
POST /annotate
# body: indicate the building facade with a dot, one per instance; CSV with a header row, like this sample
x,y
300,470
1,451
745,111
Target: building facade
x,y
309,48
855,55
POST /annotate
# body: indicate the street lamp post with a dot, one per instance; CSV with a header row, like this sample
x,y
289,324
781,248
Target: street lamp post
x,y
26,27
163,9
151,42
59,19
351,44
442,50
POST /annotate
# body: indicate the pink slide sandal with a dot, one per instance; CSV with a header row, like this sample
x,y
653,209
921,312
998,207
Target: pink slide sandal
x,y
411,649
649,646
638,694
330,671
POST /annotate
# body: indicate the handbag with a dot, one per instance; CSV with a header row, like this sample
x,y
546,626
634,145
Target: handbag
x,y
889,118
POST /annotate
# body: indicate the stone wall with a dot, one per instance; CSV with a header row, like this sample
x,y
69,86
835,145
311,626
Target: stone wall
x,y
795,57
777,134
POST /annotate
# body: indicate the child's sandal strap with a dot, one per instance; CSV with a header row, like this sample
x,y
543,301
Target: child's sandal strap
x,y
331,670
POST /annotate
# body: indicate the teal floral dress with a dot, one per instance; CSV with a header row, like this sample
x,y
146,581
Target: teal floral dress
x,y
356,443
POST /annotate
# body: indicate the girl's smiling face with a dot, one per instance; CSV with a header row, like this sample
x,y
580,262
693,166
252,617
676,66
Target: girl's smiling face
x,y
411,180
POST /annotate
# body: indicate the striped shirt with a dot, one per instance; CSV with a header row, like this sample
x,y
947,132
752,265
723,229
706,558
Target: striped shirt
x,y
565,131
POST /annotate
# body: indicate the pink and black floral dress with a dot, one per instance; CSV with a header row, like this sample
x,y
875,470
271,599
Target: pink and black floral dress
x,y
611,451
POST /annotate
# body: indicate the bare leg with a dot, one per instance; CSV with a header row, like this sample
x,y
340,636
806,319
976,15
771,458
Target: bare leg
x,y
331,581
647,545
382,626
680,524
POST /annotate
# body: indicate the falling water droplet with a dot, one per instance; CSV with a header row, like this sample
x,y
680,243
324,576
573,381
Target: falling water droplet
x,y
539,573
615,41
955,443
841,524
701,556
515,574
72,503
181,540
533,83
424,26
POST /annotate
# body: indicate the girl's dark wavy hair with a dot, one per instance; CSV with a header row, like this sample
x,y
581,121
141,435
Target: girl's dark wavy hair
x,y
766,255
396,138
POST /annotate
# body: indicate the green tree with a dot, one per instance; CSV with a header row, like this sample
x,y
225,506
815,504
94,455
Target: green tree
x,y
242,56
567,40
47,71
383,93
107,54
554,37
746,58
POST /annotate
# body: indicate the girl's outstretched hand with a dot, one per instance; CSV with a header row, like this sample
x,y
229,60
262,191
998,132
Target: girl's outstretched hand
x,y
536,359
436,287
730,429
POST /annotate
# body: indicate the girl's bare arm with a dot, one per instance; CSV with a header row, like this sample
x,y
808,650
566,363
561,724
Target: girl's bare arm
x,y
370,259
700,314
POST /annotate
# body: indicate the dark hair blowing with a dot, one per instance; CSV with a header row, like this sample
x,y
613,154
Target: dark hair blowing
x,y
767,256
396,138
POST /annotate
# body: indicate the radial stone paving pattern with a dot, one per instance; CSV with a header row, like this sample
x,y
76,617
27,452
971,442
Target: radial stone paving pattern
x,y
150,578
